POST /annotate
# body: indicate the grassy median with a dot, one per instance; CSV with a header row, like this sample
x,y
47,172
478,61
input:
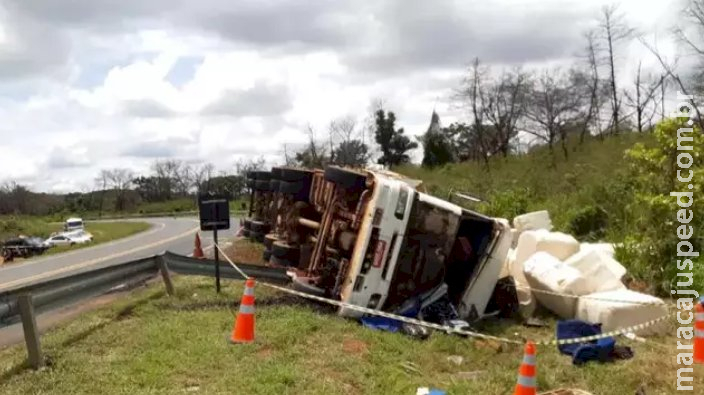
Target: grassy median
x,y
151,343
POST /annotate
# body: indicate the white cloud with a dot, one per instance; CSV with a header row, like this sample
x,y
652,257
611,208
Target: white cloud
x,y
88,85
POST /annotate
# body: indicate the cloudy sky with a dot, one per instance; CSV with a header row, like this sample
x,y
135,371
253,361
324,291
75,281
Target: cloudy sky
x,y
91,84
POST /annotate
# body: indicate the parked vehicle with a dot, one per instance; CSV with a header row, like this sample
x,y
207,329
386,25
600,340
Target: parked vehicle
x,y
370,238
23,247
73,224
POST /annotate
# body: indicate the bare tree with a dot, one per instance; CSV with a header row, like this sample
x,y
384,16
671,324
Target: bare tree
x,y
504,106
671,74
613,30
102,182
552,105
643,99
591,87
202,175
120,181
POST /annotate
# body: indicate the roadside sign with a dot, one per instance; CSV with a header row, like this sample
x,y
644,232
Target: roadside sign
x,y
214,212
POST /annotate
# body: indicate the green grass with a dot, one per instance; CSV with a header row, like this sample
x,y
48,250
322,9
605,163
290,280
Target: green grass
x,y
102,231
532,181
151,343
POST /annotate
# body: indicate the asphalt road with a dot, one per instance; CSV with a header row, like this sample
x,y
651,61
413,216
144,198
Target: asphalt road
x,y
172,234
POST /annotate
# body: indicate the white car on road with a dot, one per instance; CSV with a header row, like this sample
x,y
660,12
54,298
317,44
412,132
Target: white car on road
x,y
70,238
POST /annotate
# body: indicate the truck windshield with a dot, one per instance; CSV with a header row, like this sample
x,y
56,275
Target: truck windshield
x,y
421,265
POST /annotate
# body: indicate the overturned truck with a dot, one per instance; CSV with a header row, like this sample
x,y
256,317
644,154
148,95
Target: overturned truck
x,y
370,238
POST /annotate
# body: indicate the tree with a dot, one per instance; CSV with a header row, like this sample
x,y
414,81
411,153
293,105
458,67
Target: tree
x,y
437,144
643,98
120,180
613,31
553,104
347,143
496,105
589,84
352,153
393,143
314,154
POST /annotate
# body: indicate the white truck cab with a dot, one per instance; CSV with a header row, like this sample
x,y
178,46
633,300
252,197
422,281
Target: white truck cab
x,y
410,243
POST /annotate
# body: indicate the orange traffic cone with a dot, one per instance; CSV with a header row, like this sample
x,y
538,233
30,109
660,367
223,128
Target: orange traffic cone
x,y
197,250
526,374
243,332
699,333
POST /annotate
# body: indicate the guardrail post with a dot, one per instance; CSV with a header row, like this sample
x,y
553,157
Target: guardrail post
x,y
164,269
31,334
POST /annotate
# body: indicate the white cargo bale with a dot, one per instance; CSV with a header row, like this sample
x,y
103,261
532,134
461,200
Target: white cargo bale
x,y
526,301
559,245
606,248
510,258
514,237
621,309
604,272
532,221
547,273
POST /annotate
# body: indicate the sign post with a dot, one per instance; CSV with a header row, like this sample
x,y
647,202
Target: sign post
x,y
214,214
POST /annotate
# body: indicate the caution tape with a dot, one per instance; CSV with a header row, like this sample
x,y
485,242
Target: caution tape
x,y
444,328
564,295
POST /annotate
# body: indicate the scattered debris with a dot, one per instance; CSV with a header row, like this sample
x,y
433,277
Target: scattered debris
x,y
456,359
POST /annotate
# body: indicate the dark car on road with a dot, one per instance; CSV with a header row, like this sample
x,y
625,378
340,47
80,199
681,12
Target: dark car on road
x,y
23,247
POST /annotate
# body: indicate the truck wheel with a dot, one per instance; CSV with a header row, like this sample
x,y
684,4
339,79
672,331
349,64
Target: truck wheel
x,y
292,187
283,261
261,185
259,227
260,175
282,249
274,185
293,175
276,173
270,239
348,179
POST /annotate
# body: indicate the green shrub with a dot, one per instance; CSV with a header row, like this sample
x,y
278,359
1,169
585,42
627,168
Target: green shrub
x,y
507,204
588,223
650,248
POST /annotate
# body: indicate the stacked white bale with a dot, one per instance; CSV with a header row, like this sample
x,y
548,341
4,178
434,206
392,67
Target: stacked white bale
x,y
621,309
547,273
606,248
559,245
603,272
533,221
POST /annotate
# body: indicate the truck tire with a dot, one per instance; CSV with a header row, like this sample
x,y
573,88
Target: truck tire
x,y
270,239
293,175
276,173
292,187
281,249
274,185
261,185
345,178
259,227
283,261
260,175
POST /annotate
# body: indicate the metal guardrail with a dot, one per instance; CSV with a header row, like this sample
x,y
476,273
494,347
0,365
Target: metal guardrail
x,y
60,292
